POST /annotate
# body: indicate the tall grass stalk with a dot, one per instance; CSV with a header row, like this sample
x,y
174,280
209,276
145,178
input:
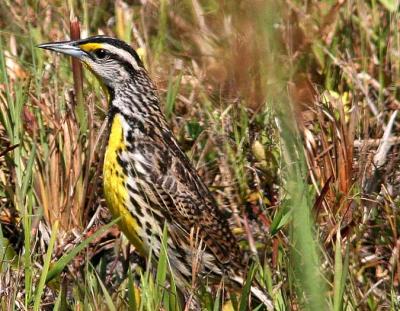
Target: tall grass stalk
x,y
304,262
340,274
43,275
22,163
304,240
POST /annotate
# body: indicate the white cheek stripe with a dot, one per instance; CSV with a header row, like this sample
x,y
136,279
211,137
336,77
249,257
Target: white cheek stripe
x,y
126,55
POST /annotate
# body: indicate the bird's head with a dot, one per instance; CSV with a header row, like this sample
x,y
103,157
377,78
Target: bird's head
x,y
113,61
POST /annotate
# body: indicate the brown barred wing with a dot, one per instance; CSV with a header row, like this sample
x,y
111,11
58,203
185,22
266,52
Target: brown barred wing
x,y
194,208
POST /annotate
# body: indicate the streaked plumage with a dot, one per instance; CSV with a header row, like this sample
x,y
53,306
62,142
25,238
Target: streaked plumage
x,y
148,179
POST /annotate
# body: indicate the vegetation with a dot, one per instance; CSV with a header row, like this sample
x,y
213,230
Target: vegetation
x,y
288,110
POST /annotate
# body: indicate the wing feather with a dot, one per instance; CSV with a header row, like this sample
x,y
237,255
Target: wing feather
x,y
185,201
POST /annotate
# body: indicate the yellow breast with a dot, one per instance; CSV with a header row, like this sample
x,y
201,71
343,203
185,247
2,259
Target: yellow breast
x,y
115,189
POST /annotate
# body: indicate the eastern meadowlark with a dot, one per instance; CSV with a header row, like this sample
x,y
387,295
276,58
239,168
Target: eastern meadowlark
x,y
148,180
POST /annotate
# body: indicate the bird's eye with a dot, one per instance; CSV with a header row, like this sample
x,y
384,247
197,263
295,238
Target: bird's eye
x,y
100,53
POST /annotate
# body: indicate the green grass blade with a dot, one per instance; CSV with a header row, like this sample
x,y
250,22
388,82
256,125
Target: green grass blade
x,y
108,299
173,296
217,301
337,300
28,172
173,89
160,40
234,301
57,304
341,269
345,270
244,297
133,305
281,218
310,285
64,260
162,267
46,266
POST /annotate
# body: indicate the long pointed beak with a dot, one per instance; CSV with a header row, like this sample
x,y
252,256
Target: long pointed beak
x,y
66,47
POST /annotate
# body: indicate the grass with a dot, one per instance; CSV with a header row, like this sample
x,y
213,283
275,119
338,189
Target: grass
x,y
281,107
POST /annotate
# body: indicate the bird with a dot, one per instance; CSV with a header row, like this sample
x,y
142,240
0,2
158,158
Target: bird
x,y
148,180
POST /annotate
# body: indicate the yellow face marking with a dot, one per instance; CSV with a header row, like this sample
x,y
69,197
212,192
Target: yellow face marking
x,y
115,191
89,47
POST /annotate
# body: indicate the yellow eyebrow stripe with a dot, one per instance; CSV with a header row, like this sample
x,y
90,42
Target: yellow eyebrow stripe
x,y
88,47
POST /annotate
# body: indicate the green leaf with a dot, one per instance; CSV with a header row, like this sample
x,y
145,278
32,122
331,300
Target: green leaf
x,y
282,217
